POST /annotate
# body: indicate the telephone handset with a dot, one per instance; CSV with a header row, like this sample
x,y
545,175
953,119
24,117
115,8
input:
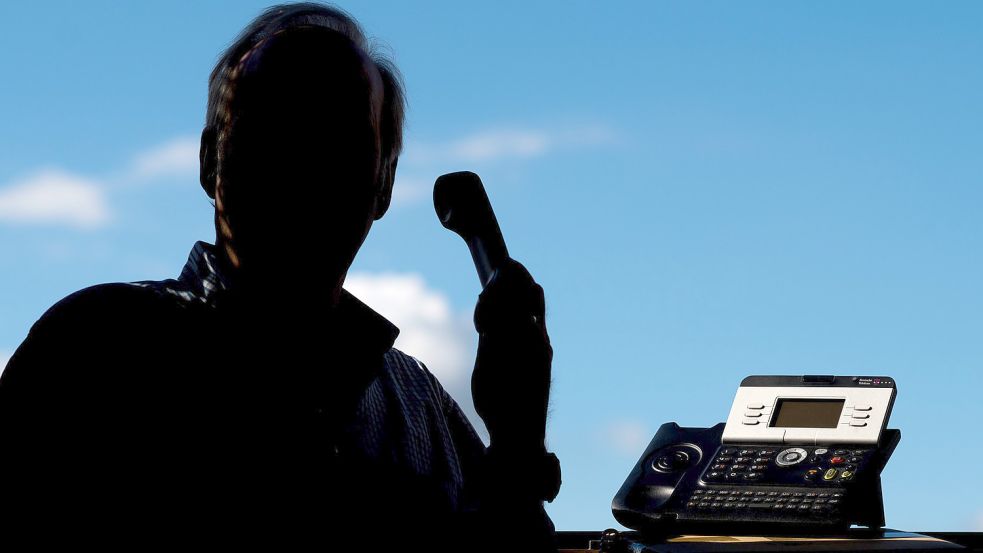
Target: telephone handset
x,y
463,207
801,453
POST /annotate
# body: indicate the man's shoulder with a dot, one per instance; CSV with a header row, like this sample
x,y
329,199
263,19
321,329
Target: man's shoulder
x,y
413,379
102,303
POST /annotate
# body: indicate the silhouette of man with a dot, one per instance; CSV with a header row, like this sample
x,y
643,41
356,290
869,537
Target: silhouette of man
x,y
253,394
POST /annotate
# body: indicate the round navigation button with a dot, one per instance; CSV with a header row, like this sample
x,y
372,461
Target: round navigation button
x,y
790,456
676,457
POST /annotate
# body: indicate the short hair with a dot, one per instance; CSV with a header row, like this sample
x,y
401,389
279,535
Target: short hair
x,y
221,82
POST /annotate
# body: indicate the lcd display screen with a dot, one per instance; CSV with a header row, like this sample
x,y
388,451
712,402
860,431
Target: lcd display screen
x,y
807,413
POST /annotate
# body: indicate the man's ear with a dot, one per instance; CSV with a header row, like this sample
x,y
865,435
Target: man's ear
x,y
385,194
208,161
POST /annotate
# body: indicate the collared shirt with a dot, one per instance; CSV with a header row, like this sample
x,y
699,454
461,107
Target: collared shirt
x,y
403,413
182,396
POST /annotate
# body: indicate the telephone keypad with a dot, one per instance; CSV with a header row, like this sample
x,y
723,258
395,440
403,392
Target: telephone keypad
x,y
806,480
811,503
792,465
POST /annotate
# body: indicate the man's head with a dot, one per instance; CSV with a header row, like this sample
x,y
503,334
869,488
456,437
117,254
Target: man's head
x,y
302,135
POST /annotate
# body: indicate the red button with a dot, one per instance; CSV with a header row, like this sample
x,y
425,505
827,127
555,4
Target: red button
x,y
837,460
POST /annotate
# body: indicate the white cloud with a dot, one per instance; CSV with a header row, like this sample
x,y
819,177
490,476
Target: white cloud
x,y
498,144
177,157
409,190
53,196
482,149
429,328
627,436
501,144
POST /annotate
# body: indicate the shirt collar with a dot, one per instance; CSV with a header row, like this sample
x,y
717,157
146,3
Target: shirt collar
x,y
207,277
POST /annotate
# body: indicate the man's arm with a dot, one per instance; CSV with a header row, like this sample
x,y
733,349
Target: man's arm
x,y
495,513
507,482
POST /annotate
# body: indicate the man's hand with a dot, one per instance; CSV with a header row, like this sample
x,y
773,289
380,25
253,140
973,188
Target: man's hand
x,y
511,380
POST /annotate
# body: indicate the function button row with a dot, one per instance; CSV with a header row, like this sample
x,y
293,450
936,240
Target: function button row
x,y
831,474
715,475
760,503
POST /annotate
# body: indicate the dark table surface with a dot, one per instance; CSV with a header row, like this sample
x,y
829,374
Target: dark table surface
x,y
580,540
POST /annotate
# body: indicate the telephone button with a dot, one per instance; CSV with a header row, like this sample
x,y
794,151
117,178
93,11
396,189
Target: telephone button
x,y
830,474
713,475
861,415
752,476
719,467
755,406
855,460
739,468
751,422
837,460
841,452
728,451
862,408
791,456
758,468
742,460
847,475
812,474
821,451
757,414
724,459
858,423
766,452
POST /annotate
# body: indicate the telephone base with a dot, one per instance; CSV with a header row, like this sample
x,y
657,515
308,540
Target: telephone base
x,y
687,480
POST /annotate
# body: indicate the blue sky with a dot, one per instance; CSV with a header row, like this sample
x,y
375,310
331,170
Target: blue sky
x,y
705,190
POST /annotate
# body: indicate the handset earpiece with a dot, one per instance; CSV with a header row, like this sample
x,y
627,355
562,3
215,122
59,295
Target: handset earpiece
x,y
463,207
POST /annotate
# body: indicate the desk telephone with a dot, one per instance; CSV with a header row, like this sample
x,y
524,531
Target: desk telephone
x,y
796,452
